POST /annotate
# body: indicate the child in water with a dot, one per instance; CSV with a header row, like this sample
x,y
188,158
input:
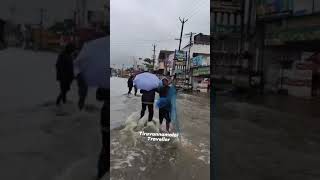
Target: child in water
x,y
164,111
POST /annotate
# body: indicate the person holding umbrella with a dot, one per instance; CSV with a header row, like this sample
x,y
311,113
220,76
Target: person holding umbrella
x,y
147,100
91,66
148,84
64,68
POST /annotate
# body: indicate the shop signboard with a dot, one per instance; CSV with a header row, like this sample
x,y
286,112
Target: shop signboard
x,y
219,28
180,55
201,71
292,35
273,7
200,61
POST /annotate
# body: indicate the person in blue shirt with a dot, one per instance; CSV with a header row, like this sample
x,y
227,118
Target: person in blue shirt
x,y
164,110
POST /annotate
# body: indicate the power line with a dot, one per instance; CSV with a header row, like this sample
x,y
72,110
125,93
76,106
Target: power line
x,y
197,11
192,7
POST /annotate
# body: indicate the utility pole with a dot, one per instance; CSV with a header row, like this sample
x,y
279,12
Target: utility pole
x,y
180,39
190,44
122,73
154,54
42,11
188,63
182,22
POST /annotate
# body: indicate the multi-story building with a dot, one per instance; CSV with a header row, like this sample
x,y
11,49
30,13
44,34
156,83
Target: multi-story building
x,y
290,34
232,26
198,62
163,61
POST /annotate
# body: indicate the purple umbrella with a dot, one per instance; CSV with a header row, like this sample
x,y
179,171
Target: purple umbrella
x,y
92,62
146,81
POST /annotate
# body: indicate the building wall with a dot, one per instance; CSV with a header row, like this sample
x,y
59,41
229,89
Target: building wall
x,y
198,48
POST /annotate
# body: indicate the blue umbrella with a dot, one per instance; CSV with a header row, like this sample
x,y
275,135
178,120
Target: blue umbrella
x,y
92,62
147,81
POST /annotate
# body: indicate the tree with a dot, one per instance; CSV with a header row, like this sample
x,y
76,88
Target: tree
x,y
148,63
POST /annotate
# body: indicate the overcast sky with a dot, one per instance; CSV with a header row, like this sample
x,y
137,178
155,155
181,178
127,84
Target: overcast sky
x,y
28,11
137,24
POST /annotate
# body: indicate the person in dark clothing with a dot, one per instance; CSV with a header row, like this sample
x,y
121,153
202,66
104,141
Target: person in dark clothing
x,y
82,90
130,84
64,68
147,100
102,94
135,90
164,112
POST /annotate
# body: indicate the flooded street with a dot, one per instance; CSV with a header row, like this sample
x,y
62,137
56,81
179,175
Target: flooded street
x,y
134,157
39,140
269,137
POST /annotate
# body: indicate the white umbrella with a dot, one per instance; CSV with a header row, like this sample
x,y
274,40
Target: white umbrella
x,y
146,81
92,62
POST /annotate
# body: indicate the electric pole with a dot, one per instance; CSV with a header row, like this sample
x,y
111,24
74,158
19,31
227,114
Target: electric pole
x,y
154,54
180,39
42,11
189,57
182,22
122,72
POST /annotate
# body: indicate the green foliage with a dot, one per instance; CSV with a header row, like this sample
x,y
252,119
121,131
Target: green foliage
x,y
148,63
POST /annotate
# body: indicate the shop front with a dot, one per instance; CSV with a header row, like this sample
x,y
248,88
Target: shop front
x,y
201,78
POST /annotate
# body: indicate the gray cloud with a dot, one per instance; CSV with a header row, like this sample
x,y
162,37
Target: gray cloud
x,y
27,11
137,24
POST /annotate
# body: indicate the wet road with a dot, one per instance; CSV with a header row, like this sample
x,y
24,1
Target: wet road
x,y
39,141
134,157
266,137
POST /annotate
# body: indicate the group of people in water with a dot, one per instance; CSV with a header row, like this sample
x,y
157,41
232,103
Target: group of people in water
x,y
65,75
148,98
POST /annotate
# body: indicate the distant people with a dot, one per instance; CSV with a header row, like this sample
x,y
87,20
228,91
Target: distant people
x,y
147,101
164,111
65,75
130,84
135,90
102,94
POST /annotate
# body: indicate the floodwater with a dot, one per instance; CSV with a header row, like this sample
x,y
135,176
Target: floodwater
x,y
133,157
271,137
38,140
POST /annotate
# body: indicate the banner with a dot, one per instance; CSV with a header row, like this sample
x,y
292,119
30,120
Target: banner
x,y
201,71
200,61
226,28
293,34
180,55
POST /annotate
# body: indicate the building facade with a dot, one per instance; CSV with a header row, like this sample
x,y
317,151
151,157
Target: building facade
x,y
291,34
233,52
198,62
163,61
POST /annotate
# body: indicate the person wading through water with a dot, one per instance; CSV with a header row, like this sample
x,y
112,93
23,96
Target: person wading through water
x,y
164,112
64,68
102,95
147,100
130,83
